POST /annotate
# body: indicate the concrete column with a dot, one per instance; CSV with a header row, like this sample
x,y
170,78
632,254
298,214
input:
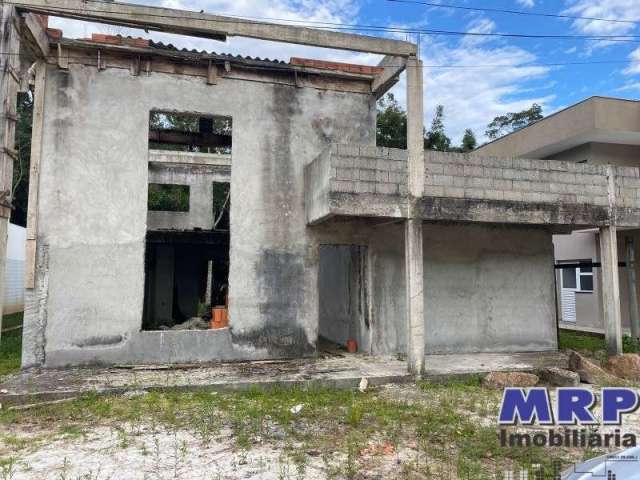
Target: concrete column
x,y
9,86
611,289
632,285
413,228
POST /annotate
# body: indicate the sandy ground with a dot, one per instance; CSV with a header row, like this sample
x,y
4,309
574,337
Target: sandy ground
x,y
103,454
143,451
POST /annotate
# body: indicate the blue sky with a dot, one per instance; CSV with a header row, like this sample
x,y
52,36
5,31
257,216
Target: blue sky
x,y
471,96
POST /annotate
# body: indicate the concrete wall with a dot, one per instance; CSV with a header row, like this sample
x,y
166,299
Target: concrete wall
x,y
200,180
343,297
488,289
87,307
601,154
516,179
596,119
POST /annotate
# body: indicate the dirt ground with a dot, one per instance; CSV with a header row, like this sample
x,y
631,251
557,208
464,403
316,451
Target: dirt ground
x,y
392,432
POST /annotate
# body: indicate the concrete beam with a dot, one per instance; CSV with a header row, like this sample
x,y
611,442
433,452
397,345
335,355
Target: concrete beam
x,y
611,289
393,67
35,35
212,26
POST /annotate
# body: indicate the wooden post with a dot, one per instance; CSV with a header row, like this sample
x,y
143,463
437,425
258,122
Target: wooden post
x,y
9,87
414,265
634,315
34,175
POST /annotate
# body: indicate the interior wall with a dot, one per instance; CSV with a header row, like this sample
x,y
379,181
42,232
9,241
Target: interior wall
x,y
488,289
342,295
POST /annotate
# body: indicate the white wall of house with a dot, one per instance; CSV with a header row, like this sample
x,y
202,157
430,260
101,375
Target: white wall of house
x,y
14,272
578,246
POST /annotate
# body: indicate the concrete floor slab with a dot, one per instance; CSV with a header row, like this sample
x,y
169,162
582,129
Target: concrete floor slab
x,y
477,363
345,371
341,371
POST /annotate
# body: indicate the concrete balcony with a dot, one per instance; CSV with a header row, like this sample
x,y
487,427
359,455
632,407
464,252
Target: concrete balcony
x,y
362,181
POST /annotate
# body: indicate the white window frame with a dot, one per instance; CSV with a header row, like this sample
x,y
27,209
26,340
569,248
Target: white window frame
x,y
578,273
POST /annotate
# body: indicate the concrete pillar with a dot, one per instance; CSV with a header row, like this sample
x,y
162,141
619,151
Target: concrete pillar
x,y
611,289
632,284
9,86
413,228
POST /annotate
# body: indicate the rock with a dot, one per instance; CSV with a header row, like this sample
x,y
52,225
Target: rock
x,y
134,393
364,383
559,377
509,379
296,409
590,372
625,366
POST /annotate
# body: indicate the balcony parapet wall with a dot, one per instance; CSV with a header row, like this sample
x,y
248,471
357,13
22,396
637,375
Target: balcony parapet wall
x,y
370,181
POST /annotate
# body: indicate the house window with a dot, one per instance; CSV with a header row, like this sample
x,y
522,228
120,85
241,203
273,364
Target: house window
x,y
579,279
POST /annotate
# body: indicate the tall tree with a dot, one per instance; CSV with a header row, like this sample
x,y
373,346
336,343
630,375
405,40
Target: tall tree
x,y
469,141
20,191
512,121
391,127
436,139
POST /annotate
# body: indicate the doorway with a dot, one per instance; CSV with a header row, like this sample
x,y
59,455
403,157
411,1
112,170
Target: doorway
x,y
343,296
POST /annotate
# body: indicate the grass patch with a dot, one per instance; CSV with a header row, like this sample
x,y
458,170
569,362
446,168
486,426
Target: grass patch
x,y
570,340
10,345
440,424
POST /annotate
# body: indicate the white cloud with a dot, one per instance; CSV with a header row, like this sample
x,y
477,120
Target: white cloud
x,y
285,11
633,86
472,97
609,9
634,66
527,3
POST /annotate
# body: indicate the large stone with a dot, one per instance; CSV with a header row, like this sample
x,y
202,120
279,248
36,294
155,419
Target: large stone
x,y
625,366
559,377
509,379
590,372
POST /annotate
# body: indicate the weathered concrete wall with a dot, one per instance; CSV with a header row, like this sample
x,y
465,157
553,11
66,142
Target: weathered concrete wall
x,y
342,292
488,289
93,211
200,180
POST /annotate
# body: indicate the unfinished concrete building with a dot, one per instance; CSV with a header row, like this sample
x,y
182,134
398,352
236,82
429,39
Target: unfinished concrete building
x,y
281,202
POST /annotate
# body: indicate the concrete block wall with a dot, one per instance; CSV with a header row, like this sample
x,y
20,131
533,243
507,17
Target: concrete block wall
x,y
627,180
514,179
365,169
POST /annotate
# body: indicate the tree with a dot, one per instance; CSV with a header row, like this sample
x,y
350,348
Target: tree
x,y
436,139
391,126
512,121
469,141
20,190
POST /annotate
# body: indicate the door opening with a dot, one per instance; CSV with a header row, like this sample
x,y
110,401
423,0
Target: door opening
x,y
343,297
